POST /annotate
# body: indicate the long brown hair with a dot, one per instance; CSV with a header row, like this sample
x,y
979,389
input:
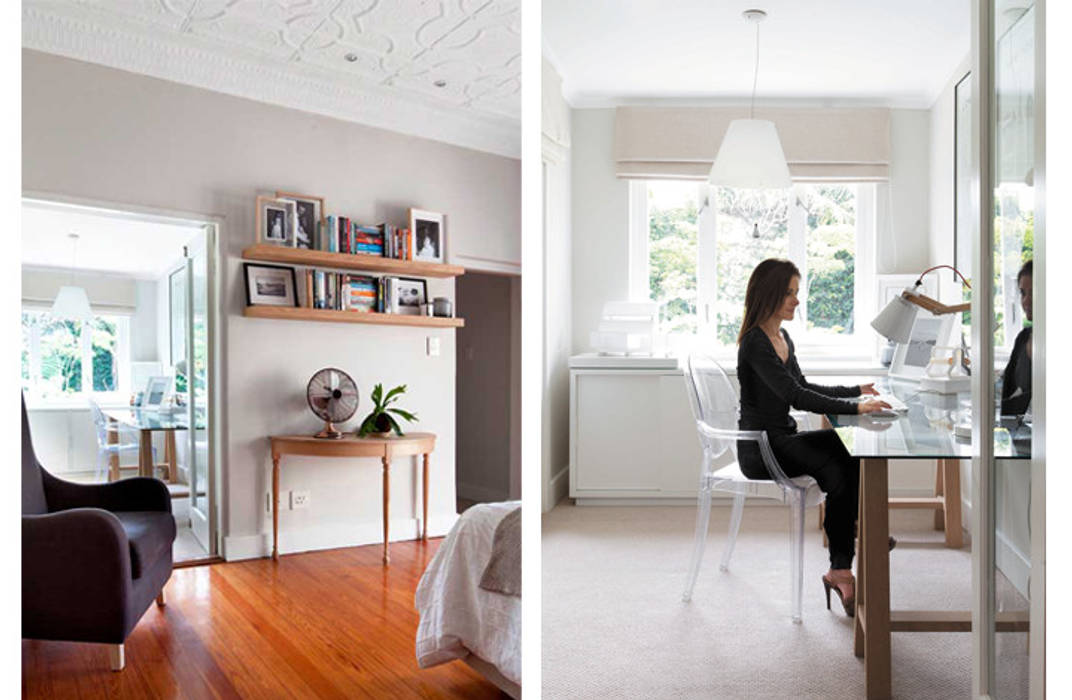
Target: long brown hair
x,y
766,291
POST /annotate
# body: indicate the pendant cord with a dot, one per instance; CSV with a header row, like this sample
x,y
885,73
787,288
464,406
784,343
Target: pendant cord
x,y
755,78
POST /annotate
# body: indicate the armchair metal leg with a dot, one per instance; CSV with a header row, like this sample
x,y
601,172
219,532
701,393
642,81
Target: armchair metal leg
x,y
160,602
116,657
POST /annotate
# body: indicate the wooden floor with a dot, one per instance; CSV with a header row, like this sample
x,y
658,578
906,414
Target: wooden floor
x,y
332,624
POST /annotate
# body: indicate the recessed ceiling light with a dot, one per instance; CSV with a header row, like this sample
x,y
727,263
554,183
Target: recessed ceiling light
x,y
440,83
351,57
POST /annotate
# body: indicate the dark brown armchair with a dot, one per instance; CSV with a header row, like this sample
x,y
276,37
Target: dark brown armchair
x,y
93,555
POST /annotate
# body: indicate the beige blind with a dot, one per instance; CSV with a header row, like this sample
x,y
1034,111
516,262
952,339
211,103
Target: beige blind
x,y
107,294
819,144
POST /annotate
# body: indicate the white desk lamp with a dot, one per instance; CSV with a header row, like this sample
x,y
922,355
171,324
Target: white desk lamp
x,y
896,320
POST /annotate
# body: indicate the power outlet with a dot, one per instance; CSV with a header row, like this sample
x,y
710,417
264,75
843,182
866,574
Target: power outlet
x,y
299,499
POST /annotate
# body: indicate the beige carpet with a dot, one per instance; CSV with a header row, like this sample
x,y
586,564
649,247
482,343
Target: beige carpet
x,y
614,624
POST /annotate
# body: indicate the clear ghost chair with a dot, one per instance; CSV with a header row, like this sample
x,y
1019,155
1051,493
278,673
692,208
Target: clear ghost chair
x,y
715,406
124,442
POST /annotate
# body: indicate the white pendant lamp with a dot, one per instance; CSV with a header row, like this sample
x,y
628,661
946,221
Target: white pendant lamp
x,y
751,155
71,301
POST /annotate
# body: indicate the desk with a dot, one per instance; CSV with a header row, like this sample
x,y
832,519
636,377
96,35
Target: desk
x,y
146,421
925,431
350,446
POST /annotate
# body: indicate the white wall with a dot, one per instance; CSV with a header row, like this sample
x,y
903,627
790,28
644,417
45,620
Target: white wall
x,y
904,247
558,289
106,135
941,182
144,346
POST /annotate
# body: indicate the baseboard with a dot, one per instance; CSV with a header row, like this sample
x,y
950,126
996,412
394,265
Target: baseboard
x,y
334,536
479,493
557,488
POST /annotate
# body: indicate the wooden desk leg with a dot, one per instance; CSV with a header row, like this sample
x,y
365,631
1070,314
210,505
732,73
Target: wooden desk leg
x,y
145,453
939,490
113,460
171,456
861,576
275,507
424,500
954,535
386,511
875,559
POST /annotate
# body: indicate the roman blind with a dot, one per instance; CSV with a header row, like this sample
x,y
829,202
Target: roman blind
x,y
820,144
107,294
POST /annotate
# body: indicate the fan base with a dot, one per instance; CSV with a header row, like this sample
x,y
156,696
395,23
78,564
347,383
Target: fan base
x,y
329,433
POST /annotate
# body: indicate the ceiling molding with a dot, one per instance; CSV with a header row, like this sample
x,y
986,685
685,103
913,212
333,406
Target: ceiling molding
x,y
476,119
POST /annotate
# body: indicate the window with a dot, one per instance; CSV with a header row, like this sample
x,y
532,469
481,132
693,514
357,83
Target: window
x,y
694,248
65,359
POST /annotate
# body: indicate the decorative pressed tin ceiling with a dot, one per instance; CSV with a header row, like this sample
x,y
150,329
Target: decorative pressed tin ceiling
x,y
449,70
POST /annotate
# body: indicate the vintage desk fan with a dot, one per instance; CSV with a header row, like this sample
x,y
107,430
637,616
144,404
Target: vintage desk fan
x,y
333,397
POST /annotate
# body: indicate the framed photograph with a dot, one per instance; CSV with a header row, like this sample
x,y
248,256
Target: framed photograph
x,y
157,390
308,215
275,221
428,235
910,359
409,294
270,285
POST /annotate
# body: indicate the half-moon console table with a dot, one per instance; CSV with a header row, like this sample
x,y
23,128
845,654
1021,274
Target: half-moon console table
x,y
349,446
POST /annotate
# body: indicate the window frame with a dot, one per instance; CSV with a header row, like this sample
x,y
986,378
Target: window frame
x,y
857,347
80,398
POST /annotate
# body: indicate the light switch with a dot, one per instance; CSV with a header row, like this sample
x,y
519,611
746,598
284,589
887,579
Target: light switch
x,y
433,346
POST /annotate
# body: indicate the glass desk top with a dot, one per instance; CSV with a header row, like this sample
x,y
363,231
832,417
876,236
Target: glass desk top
x,y
926,430
146,419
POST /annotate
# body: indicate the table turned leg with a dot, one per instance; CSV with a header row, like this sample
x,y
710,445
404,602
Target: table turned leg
x,y
386,509
939,490
875,560
424,501
145,453
861,577
275,507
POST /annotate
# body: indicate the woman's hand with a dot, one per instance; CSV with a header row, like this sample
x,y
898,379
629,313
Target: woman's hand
x,y
870,406
868,389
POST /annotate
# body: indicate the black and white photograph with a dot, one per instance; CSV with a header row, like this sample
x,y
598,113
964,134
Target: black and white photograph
x,y
270,285
427,227
409,295
308,212
275,221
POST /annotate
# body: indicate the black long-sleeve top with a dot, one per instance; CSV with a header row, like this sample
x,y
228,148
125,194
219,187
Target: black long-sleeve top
x,y
1017,376
769,387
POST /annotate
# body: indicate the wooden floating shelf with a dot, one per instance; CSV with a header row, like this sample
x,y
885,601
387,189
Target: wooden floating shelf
x,y
293,313
367,263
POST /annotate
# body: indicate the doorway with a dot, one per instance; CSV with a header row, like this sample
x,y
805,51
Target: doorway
x,y
122,383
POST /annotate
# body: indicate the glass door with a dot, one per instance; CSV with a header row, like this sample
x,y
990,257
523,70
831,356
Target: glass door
x,y
202,511
1008,494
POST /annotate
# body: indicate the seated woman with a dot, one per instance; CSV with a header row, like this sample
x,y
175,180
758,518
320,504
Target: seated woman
x,y
771,382
1016,380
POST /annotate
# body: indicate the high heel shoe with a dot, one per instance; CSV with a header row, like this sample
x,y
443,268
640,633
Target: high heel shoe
x,y
849,602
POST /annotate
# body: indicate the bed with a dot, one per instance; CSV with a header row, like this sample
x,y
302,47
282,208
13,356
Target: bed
x,y
461,620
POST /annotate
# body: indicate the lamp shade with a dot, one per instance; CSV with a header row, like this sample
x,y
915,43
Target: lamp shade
x,y
750,156
72,302
896,320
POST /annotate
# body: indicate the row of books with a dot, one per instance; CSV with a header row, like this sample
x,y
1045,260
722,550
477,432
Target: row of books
x,y
342,291
340,234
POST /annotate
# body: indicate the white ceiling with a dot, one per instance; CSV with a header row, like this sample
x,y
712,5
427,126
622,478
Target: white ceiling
x,y
897,53
293,53
108,242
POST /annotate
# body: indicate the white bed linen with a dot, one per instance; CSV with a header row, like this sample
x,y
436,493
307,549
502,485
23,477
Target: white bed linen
x,y
457,616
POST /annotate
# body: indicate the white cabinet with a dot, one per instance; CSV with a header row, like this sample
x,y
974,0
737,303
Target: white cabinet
x,y
632,434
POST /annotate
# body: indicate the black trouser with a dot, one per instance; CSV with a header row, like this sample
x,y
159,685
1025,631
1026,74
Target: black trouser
x,y
821,455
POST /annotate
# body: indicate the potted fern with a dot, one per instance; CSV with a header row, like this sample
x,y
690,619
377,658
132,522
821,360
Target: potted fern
x,y
380,422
